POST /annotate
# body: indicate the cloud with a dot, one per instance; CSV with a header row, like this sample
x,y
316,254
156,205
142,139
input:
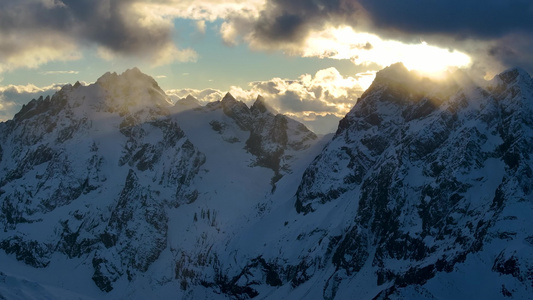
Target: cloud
x,y
289,22
460,33
366,49
321,124
32,49
35,32
7,109
490,19
293,20
512,50
170,53
318,100
30,89
495,33
459,30
12,97
59,72
203,96
200,26
325,92
207,10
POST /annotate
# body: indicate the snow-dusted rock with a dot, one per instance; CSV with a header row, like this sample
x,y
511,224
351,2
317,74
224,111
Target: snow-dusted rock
x,y
117,181
423,192
91,171
432,176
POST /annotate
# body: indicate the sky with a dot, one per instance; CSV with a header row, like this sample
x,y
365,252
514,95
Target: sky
x,y
310,59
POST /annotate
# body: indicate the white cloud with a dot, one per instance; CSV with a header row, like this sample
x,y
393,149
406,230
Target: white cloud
x,y
318,101
170,53
59,72
229,33
52,3
166,54
325,92
200,26
29,88
204,96
365,48
105,53
12,97
5,106
29,50
208,10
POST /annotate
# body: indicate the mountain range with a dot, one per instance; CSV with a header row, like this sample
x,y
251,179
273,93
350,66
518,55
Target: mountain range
x,y
111,191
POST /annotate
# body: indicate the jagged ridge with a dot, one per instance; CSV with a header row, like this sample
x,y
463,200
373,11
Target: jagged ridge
x,y
424,186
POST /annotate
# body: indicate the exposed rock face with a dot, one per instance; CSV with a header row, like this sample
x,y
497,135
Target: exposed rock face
x,y
431,179
104,162
273,138
94,173
424,186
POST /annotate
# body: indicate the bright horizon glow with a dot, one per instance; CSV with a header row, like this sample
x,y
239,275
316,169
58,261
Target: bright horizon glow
x,y
366,48
366,79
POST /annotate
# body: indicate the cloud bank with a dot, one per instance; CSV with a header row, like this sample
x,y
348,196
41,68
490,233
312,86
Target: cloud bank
x,y
318,100
12,97
34,32
495,33
486,37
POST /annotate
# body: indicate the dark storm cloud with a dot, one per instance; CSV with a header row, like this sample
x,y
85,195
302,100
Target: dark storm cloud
x,y
460,18
514,50
482,29
111,23
286,20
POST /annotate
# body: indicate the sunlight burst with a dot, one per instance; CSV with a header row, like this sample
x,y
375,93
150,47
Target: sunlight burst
x,y
365,49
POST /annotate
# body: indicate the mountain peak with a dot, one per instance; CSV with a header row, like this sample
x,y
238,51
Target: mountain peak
x,y
400,82
261,106
190,98
186,103
228,97
132,91
133,75
514,74
133,71
396,72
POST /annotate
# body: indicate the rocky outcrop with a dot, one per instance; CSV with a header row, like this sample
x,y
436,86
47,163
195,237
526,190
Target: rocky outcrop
x,y
430,177
111,160
423,187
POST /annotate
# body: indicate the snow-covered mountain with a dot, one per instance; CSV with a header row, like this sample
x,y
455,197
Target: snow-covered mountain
x,y
435,185
115,179
110,191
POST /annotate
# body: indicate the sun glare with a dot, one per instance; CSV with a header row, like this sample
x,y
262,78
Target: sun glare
x,y
365,49
365,79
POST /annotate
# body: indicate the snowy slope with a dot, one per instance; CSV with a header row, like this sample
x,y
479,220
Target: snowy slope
x,y
109,191
423,193
432,176
115,183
